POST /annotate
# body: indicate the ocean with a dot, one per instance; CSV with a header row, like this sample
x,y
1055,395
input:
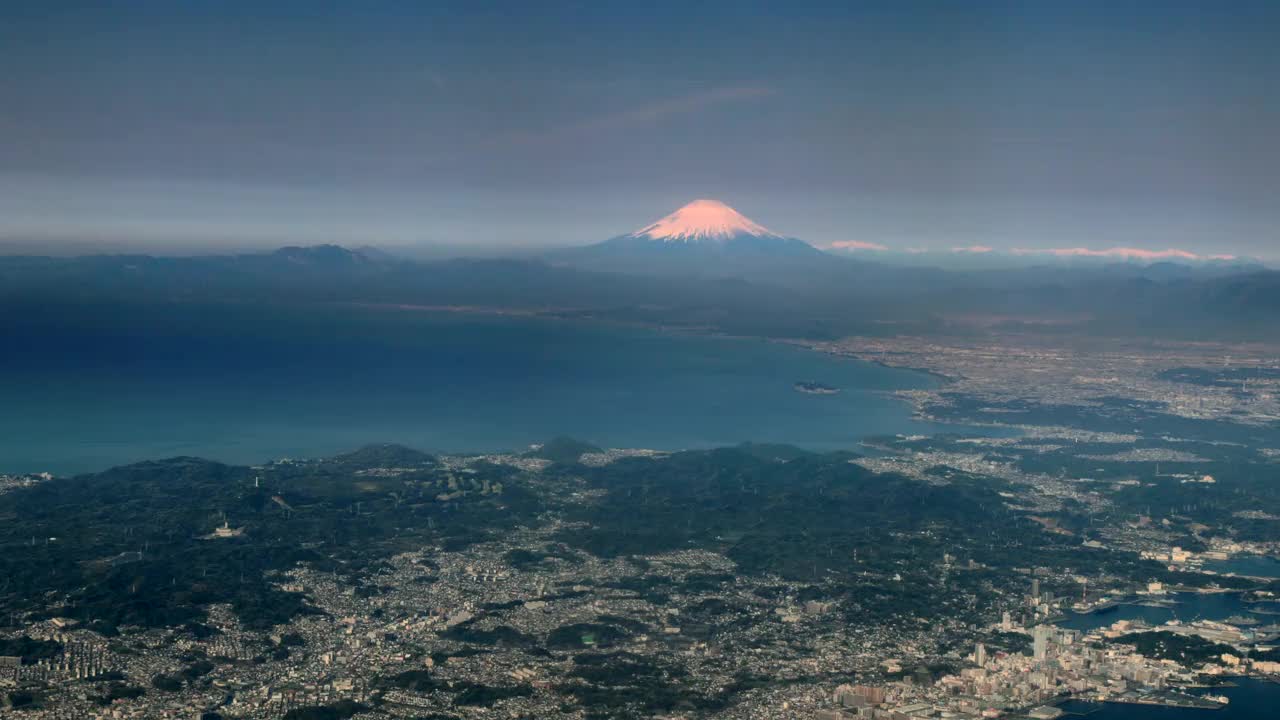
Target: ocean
x,y
85,389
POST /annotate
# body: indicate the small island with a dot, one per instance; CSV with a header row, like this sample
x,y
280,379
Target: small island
x,y
815,388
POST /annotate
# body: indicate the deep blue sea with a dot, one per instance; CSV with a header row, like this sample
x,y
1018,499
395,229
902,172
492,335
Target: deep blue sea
x,y
82,390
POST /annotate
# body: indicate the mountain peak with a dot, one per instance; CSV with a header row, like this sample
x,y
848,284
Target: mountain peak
x,y
317,254
701,220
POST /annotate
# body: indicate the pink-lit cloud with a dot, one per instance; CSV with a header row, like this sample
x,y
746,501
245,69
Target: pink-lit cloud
x,y
856,245
976,249
1123,253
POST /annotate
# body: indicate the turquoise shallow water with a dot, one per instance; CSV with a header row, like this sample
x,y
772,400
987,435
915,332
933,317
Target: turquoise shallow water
x,y
83,390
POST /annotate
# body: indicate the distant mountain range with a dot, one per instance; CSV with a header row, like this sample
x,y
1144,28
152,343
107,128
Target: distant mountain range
x,y
705,266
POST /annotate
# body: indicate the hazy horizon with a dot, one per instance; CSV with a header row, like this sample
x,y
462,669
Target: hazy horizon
x,y
498,126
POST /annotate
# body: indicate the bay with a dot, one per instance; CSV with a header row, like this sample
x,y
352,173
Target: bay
x,y
1186,607
1250,565
1251,699
85,389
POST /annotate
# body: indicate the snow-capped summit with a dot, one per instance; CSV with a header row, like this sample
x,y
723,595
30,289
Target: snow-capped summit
x,y
705,237
703,220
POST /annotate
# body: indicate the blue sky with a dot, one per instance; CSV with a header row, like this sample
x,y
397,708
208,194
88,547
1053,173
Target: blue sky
x,y
921,125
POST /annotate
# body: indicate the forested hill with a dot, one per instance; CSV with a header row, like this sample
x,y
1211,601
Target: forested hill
x,y
154,543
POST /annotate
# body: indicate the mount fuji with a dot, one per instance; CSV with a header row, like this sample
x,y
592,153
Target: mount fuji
x,y
703,237
703,221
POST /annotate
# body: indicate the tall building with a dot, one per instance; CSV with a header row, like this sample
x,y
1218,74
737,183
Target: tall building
x,y
1040,642
980,655
873,694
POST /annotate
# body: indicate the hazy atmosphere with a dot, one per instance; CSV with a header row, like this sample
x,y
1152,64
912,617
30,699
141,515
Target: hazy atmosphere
x,y
472,125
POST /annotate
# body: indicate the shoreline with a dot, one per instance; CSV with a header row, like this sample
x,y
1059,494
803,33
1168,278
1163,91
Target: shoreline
x,y
771,364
